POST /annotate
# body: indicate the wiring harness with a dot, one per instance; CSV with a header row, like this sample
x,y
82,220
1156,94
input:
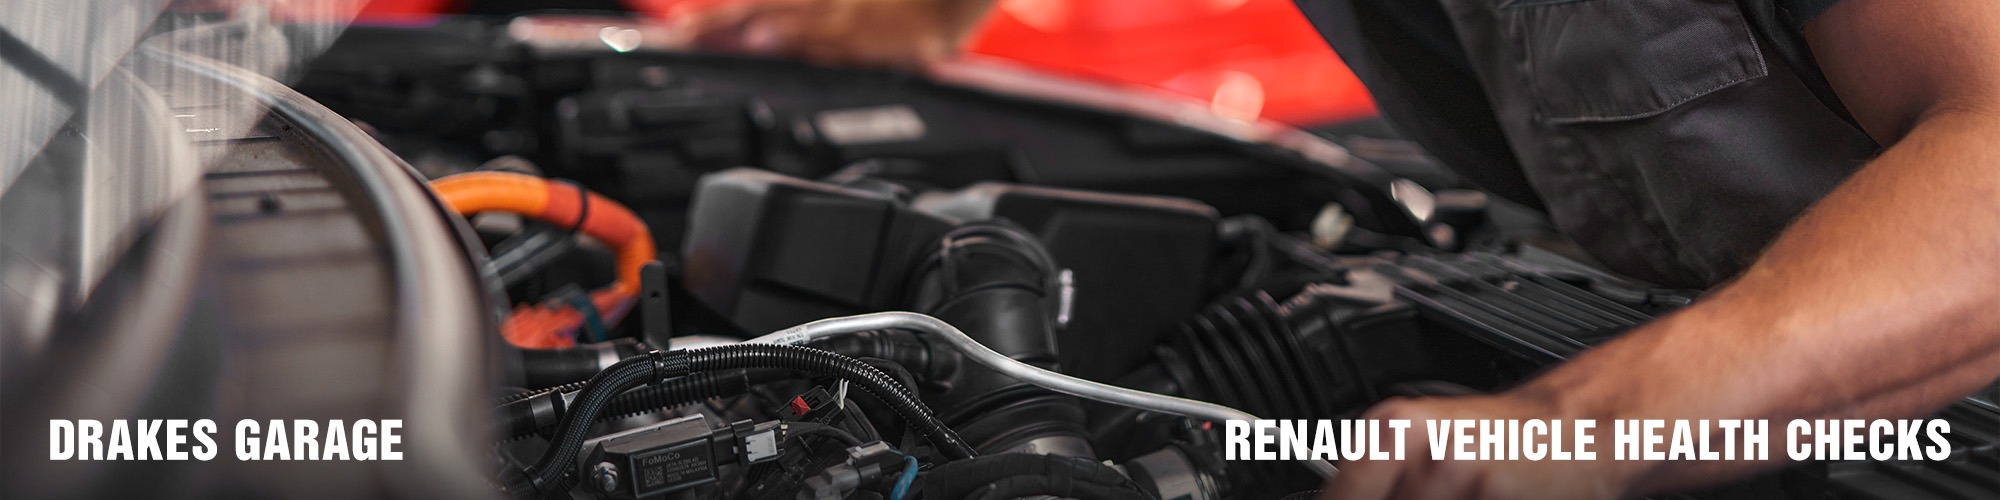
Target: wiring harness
x,y
552,471
535,326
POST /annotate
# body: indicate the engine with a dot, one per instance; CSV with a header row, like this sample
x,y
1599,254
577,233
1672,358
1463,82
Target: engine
x,y
646,274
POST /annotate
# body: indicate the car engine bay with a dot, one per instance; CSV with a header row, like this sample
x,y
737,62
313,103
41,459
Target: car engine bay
x,y
583,266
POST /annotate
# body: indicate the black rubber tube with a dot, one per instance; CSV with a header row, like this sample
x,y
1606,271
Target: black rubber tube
x,y
538,368
523,415
678,392
552,468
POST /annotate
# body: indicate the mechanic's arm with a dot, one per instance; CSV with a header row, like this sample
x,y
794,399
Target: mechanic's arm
x,y
1883,301
890,33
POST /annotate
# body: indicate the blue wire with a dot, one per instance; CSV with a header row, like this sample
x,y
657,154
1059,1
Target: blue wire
x,y
903,483
593,324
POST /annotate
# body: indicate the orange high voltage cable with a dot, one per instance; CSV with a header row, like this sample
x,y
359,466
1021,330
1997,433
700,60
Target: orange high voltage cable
x,y
538,326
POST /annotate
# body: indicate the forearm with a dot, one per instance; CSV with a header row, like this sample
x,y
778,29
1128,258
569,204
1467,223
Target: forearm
x,y
907,34
1880,302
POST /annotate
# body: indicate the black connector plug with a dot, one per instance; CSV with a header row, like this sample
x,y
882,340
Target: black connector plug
x,y
671,456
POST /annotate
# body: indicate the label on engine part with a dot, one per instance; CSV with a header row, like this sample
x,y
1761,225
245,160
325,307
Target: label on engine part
x,y
672,469
789,336
846,127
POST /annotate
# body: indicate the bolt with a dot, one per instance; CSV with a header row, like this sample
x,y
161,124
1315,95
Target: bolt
x,y
606,475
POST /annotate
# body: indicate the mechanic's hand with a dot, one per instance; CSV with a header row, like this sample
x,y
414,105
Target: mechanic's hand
x,y
889,33
1419,477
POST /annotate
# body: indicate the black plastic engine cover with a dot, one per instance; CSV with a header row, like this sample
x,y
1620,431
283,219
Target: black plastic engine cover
x,y
769,251
1137,264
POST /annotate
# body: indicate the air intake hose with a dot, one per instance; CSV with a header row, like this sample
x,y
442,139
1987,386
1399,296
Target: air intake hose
x,y
999,284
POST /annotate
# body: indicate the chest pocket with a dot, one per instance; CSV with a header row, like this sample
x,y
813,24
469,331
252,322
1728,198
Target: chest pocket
x,y
1610,60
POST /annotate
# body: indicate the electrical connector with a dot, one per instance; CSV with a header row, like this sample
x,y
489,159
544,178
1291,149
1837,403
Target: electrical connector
x,y
865,463
812,406
673,455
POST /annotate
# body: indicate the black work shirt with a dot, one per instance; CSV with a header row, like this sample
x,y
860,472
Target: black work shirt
x,y
1672,139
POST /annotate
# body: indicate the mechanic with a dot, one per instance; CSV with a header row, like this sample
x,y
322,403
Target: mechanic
x,y
1829,169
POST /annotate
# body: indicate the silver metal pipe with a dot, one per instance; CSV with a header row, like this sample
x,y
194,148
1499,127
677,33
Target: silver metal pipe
x,y
1024,372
